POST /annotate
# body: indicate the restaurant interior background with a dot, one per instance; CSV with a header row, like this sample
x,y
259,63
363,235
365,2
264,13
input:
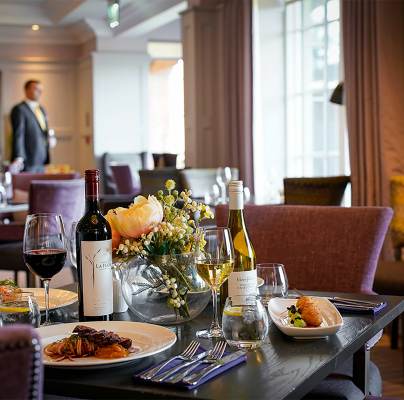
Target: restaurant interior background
x,y
187,78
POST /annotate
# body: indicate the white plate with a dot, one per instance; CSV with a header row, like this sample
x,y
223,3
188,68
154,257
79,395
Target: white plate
x,y
57,297
332,319
150,339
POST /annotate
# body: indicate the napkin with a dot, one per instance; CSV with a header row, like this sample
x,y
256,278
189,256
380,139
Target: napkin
x,y
241,359
354,310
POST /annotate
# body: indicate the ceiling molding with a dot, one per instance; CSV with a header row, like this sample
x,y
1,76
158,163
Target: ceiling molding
x,y
58,10
137,21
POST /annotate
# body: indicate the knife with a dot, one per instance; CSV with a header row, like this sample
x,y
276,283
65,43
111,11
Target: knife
x,y
173,370
195,378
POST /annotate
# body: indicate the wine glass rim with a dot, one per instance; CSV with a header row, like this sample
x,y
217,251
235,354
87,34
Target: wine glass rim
x,y
218,228
44,214
270,265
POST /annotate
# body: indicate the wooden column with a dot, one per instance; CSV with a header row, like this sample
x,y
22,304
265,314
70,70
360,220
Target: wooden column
x,y
205,144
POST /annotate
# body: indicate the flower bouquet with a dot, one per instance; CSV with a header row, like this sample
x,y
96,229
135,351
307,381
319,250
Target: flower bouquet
x,y
154,242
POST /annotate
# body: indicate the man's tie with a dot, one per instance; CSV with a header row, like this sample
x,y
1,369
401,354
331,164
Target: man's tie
x,y
40,117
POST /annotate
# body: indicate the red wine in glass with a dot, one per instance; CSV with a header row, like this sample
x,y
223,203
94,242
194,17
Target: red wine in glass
x,y
44,249
45,263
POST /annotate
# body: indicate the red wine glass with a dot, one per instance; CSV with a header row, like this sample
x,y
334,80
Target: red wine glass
x,y
44,249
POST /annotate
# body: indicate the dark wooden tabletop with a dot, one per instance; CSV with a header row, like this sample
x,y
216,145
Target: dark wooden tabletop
x,y
281,369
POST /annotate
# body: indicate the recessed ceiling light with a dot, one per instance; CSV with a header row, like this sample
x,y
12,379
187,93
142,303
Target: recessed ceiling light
x,y
35,27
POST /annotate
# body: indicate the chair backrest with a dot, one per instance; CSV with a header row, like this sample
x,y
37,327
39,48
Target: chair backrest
x,y
123,179
136,162
164,160
327,191
23,180
201,180
21,370
153,180
62,197
322,248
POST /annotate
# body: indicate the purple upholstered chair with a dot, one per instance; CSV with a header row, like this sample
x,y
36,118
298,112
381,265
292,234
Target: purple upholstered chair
x,y
21,371
124,179
65,197
62,197
322,248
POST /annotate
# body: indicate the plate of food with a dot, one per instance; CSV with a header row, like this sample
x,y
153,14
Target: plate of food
x,y
58,298
306,317
102,343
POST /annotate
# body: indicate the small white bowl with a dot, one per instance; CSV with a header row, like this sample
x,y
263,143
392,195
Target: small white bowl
x,y
332,319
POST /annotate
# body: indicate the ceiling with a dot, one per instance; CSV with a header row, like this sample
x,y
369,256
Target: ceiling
x,y
76,19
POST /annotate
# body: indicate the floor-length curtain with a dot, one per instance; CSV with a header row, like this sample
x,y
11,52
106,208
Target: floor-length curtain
x,y
373,44
217,54
238,82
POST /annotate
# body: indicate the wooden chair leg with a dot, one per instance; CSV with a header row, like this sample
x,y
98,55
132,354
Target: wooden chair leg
x,y
30,279
394,333
402,337
16,277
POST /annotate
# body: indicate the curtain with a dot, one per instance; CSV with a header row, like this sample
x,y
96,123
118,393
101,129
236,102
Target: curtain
x,y
217,53
373,45
236,23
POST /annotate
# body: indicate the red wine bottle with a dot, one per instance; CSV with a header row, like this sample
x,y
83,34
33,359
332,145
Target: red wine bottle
x,y
94,257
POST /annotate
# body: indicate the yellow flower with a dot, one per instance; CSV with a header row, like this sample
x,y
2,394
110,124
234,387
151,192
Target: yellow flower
x,y
170,184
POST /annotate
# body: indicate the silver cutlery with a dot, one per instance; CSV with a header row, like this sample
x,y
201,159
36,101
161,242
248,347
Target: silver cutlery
x,y
161,377
186,355
195,378
214,354
355,301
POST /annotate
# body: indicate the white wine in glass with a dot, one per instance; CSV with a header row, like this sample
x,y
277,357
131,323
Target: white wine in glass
x,y
214,264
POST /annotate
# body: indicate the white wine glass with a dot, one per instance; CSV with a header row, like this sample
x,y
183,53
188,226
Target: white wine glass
x,y
214,264
273,281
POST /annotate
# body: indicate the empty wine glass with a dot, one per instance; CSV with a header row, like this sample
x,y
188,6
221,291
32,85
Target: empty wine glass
x,y
44,249
222,185
272,281
214,264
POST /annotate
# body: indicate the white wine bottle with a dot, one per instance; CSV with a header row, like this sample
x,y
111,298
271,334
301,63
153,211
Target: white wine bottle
x,y
243,279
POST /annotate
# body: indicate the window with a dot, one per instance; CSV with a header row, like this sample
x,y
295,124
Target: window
x,y
296,67
166,100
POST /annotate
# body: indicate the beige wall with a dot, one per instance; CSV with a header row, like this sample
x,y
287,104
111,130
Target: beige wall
x,y
57,68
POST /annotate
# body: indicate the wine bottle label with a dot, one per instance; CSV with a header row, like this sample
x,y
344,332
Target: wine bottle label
x,y
243,283
96,262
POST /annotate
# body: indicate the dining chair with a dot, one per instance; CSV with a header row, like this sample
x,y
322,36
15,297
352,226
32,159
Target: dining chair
x,y
327,191
63,197
21,370
124,180
323,248
151,181
136,162
165,160
21,182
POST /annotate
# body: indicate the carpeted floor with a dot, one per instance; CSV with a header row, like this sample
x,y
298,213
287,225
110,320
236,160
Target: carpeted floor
x,y
391,365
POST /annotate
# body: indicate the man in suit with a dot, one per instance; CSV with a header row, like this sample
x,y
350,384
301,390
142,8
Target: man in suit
x,y
30,131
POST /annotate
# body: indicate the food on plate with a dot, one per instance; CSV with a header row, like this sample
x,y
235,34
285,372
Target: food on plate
x,y
9,290
305,313
86,341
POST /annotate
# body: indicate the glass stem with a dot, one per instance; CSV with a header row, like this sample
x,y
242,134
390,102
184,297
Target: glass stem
x,y
215,322
46,286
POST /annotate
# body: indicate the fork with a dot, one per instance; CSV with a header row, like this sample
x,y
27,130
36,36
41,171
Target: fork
x,y
186,355
214,355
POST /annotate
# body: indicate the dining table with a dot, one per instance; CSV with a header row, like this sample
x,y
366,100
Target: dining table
x,y
283,368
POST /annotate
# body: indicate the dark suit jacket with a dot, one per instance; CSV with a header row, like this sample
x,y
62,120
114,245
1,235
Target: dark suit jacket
x,y
29,140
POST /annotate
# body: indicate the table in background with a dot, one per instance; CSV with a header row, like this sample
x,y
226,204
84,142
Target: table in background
x,y
14,207
281,369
